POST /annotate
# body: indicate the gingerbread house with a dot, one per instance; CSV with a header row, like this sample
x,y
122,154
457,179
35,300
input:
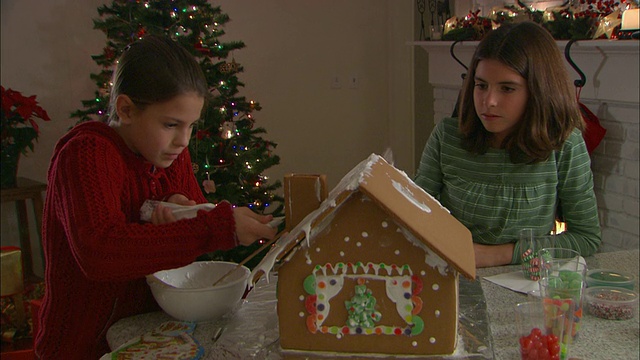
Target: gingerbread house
x,y
372,271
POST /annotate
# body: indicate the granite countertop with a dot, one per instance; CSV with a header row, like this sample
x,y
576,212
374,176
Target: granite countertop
x,y
598,338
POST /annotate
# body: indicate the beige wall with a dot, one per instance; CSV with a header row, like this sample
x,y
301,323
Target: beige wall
x,y
294,50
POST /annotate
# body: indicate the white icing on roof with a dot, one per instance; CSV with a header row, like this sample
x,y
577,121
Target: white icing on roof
x,y
318,219
406,192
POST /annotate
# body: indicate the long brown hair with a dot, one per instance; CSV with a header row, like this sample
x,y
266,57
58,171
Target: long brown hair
x,y
551,112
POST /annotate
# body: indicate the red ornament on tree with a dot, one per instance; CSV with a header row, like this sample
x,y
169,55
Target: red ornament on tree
x,y
141,32
109,53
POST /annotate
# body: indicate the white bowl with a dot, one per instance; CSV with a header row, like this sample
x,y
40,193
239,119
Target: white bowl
x,y
187,293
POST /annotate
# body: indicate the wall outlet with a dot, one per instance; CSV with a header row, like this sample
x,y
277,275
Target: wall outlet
x,y
354,82
335,82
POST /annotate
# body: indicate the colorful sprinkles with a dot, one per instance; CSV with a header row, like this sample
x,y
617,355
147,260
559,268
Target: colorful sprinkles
x,y
603,306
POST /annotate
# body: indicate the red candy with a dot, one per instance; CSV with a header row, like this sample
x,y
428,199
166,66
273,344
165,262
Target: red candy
x,y
537,346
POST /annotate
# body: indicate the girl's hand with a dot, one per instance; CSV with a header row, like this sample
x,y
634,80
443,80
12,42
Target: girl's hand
x,y
180,200
251,226
164,215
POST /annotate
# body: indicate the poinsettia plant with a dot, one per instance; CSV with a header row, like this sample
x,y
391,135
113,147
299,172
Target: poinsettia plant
x,y
19,128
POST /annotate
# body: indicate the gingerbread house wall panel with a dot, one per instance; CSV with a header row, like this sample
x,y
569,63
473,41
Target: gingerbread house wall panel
x,y
362,254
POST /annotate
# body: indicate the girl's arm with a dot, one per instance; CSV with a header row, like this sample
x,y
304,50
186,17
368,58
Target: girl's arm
x,y
493,255
577,198
87,182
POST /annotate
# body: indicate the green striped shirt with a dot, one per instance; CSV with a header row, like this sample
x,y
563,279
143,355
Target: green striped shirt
x,y
495,198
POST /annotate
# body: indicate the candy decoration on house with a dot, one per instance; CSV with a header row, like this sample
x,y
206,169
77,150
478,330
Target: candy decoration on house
x,y
228,151
362,308
401,287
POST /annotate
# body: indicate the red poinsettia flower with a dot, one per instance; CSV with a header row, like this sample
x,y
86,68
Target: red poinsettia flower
x,y
19,128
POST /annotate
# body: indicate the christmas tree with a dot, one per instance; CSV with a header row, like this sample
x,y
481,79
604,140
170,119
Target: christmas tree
x,y
228,153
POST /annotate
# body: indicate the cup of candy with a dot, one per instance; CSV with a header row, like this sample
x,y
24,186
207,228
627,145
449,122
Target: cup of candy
x,y
554,260
566,289
612,278
540,328
612,303
530,245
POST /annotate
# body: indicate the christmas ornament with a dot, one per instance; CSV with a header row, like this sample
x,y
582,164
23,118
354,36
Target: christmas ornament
x,y
227,68
201,134
607,24
503,14
472,27
141,32
227,130
450,24
549,13
209,186
201,48
109,53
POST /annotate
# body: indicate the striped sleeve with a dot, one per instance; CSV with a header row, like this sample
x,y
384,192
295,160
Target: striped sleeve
x,y
429,174
577,198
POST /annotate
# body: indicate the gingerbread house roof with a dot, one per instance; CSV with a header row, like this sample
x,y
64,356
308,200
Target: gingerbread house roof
x,y
407,203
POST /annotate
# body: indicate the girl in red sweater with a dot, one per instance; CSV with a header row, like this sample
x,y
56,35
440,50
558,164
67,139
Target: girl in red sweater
x,y
97,251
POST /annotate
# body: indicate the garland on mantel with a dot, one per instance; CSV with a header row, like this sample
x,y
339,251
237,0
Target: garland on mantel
x,y
577,20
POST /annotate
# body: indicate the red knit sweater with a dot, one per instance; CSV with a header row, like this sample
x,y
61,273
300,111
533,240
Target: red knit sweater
x,y
97,252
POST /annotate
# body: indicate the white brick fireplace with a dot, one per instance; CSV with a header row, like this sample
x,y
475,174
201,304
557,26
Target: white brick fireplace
x,y
611,92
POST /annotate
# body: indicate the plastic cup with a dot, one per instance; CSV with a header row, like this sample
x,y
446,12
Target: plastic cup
x,y
553,260
534,295
531,244
566,289
540,328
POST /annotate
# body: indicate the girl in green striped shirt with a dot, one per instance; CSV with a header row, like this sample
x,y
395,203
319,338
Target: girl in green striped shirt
x,y
516,151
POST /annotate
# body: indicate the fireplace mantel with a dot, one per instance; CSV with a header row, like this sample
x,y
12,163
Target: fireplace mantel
x,y
610,66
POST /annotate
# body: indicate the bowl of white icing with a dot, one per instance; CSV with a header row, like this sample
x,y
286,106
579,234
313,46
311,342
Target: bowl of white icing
x,y
188,293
